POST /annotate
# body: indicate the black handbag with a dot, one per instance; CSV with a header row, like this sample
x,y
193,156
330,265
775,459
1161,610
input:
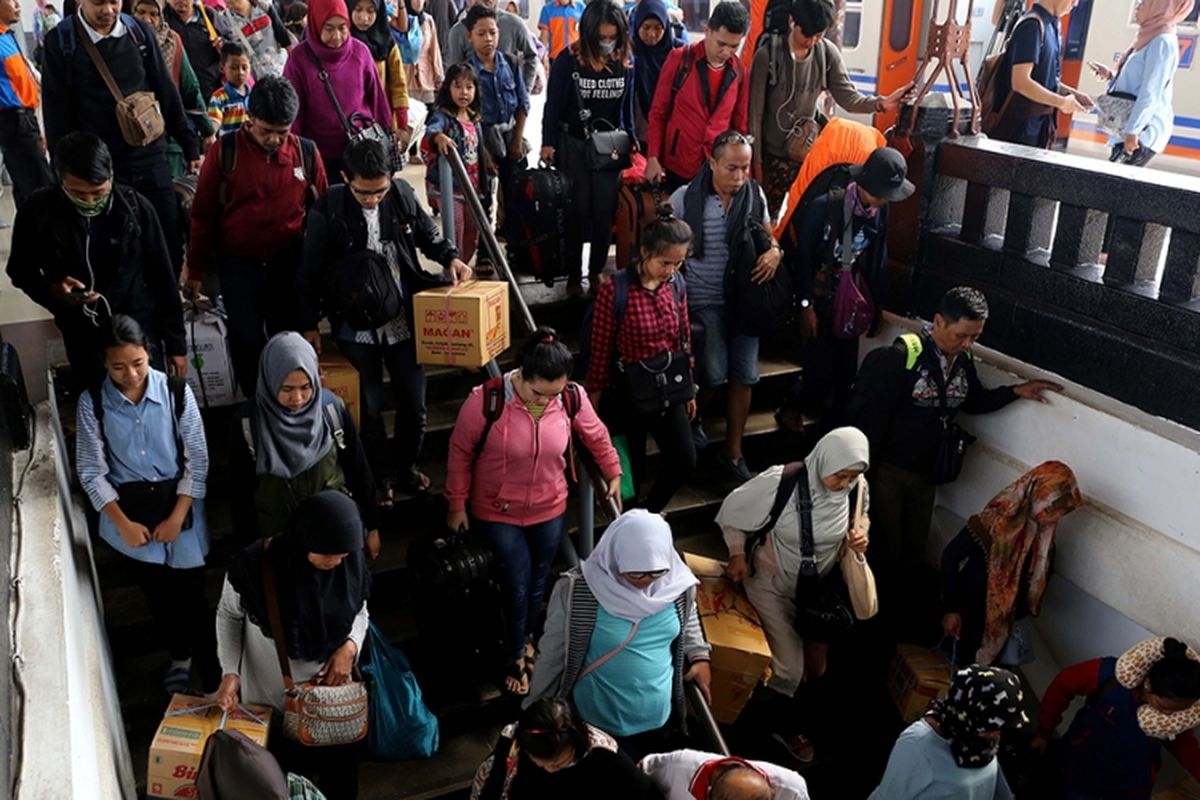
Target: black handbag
x,y
655,384
611,149
357,125
822,606
953,443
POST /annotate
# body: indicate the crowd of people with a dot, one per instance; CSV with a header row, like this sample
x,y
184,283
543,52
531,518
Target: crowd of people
x,y
295,118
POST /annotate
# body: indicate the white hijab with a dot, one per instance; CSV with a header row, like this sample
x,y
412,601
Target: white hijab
x,y
637,541
841,448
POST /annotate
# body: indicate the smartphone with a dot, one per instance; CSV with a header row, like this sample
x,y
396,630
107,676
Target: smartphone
x,y
80,291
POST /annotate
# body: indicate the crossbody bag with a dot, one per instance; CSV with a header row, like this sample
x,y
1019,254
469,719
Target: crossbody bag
x,y
655,384
610,149
138,114
357,125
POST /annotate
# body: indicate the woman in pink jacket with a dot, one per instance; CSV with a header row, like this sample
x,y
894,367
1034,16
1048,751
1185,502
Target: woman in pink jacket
x,y
507,470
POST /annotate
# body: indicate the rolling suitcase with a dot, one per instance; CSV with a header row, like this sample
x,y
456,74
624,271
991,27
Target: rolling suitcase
x,y
537,213
638,203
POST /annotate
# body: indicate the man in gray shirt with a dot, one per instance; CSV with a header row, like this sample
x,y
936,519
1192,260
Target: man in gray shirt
x,y
515,39
720,200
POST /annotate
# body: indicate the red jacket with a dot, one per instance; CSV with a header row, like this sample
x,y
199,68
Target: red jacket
x,y
682,125
264,211
520,476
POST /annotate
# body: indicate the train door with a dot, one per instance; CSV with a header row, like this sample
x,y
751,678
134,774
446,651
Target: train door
x,y
900,42
861,35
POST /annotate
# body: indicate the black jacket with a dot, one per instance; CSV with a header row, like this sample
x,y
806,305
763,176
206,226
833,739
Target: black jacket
x,y
205,59
336,228
899,409
75,96
121,253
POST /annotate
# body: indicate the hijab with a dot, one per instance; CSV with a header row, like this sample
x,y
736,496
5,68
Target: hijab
x,y
289,442
317,606
1017,527
841,448
320,12
1161,17
648,61
233,766
377,38
981,700
166,37
637,541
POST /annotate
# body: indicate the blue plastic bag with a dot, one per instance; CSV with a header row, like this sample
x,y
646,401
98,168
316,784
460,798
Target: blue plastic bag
x,y
401,727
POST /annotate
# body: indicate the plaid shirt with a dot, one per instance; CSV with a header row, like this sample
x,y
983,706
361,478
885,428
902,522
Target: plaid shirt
x,y
650,326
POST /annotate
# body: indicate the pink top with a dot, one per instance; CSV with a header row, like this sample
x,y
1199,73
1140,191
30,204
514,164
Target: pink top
x,y
520,476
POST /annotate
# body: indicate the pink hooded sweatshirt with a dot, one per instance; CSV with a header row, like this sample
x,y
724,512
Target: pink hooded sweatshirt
x,y
520,476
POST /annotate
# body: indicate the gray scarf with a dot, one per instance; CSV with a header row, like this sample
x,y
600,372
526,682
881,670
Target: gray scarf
x,y
289,442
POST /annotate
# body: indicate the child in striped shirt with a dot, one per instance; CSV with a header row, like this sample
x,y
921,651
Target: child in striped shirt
x,y
227,106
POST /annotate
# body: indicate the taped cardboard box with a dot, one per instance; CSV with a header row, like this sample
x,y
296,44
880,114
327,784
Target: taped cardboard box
x,y
917,677
464,325
179,743
741,657
339,376
210,367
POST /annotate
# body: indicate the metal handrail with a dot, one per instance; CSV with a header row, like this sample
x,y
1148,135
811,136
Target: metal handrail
x,y
705,716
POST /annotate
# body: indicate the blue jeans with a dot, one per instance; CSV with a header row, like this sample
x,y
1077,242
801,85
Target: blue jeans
x,y
724,355
525,555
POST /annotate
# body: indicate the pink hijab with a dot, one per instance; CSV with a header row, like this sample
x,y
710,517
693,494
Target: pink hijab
x,y
1161,17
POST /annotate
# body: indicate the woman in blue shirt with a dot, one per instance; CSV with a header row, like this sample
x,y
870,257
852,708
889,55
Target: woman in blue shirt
x,y
950,753
1146,72
143,461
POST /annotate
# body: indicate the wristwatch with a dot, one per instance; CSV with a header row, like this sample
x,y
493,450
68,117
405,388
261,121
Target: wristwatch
x,y
805,303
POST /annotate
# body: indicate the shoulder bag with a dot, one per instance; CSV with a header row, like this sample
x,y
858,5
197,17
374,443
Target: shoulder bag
x,y
853,310
611,149
1114,110
954,441
822,614
138,115
856,572
314,715
657,383
357,125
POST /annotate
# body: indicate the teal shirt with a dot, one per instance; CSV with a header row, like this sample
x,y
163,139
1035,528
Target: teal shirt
x,y
921,767
631,692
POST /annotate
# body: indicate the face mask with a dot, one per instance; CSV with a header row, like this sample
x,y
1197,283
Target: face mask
x,y
86,208
608,46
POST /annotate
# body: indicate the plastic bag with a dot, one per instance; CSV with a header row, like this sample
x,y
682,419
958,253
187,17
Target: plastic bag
x,y
621,445
401,726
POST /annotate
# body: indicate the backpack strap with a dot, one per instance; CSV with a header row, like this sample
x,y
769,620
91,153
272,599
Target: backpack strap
x,y
789,479
176,385
308,160
493,409
685,66
228,159
98,412
620,295
912,349
335,422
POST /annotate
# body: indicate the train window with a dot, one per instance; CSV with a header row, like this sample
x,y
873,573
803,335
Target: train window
x,y
852,25
900,34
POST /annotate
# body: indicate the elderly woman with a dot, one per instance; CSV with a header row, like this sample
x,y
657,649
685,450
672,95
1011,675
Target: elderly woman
x,y
623,634
552,752
994,572
303,439
321,583
767,549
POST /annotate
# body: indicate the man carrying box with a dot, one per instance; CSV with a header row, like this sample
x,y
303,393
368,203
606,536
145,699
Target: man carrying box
x,y
361,234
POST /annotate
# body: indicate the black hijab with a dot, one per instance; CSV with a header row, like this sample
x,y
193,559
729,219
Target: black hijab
x,y
648,61
378,38
317,606
981,700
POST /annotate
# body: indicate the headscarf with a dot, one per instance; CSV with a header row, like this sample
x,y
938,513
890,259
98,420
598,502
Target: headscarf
x,y
167,38
1161,17
320,12
981,700
234,766
841,448
1017,527
648,61
377,38
637,541
289,442
317,606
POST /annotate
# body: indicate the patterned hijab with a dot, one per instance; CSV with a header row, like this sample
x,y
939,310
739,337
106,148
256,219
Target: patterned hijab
x,y
167,38
981,700
1017,528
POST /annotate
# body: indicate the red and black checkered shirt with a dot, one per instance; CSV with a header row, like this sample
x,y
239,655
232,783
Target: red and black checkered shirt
x,y
650,327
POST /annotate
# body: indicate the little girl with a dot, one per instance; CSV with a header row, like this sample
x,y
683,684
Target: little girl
x,y
455,122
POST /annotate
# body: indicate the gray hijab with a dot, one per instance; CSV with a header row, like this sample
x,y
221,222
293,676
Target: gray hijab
x,y
289,442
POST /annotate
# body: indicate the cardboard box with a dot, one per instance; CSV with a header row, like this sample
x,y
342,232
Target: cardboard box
x,y
917,677
339,376
740,655
1186,789
464,325
179,743
210,368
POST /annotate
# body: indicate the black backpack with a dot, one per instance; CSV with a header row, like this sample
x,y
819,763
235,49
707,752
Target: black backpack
x,y
362,292
537,210
756,309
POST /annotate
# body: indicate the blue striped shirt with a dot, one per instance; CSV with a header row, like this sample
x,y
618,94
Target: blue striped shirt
x,y
142,447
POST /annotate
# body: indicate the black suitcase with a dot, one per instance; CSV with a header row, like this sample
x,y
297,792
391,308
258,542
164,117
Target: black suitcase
x,y
537,208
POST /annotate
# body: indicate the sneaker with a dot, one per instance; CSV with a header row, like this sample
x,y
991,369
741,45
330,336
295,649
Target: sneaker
x,y
734,467
799,747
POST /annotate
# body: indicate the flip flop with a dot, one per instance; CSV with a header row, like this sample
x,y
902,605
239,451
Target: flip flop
x,y
419,484
516,672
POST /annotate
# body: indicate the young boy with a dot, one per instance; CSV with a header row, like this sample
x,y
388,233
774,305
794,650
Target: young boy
x,y
558,25
227,106
504,101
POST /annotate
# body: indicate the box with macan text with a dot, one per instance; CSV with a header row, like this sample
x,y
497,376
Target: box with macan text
x,y
462,326
339,376
179,742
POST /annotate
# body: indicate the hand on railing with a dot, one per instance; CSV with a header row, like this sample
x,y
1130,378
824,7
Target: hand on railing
x,y
700,673
443,143
703,711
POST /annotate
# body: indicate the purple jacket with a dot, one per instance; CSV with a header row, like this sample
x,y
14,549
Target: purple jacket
x,y
355,79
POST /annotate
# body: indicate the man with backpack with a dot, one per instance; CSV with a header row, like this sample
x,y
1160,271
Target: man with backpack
x,y
905,399
793,64
361,269
248,221
727,214
105,74
836,248
702,91
1021,89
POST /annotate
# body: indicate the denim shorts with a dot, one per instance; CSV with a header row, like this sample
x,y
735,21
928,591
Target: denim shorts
x,y
723,356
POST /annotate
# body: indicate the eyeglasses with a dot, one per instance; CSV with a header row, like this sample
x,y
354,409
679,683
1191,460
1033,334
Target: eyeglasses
x,y
654,573
369,193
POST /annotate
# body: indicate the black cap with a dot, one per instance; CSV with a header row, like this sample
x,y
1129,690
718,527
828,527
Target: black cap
x,y
884,175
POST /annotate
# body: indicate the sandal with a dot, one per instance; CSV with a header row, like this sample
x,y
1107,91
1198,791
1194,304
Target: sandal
x,y
387,494
798,746
516,678
419,484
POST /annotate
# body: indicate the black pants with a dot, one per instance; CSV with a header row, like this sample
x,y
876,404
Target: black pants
x,y
333,769
408,393
152,179
673,432
830,365
20,141
260,300
181,613
594,195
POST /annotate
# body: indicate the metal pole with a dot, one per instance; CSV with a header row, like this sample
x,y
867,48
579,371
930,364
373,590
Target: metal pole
x,y
705,717
446,187
587,517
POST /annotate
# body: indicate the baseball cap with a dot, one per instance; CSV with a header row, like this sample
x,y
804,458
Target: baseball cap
x,y
884,175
